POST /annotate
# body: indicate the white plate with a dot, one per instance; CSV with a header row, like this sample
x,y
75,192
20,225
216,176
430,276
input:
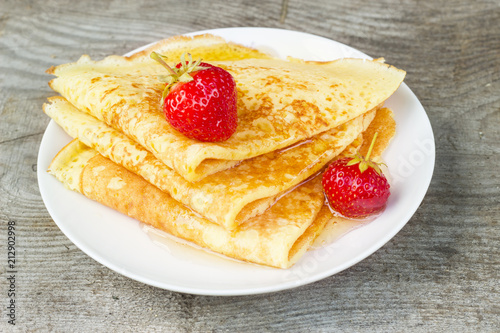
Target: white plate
x,y
118,242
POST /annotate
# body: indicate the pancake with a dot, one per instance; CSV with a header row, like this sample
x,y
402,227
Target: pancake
x,y
206,46
280,103
385,126
277,238
268,239
254,183
256,197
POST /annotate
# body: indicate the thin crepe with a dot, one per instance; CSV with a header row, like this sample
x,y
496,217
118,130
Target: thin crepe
x,y
276,238
254,184
279,103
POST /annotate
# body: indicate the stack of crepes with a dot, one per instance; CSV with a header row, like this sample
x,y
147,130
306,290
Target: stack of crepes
x,y
256,197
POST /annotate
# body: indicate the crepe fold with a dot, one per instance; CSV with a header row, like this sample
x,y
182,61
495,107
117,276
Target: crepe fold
x,y
280,103
256,197
277,238
254,183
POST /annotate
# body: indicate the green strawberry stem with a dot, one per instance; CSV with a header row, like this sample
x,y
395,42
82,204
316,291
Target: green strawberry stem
x,y
182,74
364,162
367,157
159,58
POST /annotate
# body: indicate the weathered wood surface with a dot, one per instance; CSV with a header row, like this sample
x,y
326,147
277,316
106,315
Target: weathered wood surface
x,y
439,274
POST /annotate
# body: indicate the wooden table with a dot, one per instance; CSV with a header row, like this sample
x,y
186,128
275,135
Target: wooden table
x,y
439,274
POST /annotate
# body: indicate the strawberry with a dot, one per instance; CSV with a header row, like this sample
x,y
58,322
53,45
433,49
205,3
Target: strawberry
x,y
355,186
199,99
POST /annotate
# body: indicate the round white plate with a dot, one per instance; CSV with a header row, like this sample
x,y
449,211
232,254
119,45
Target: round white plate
x,y
119,242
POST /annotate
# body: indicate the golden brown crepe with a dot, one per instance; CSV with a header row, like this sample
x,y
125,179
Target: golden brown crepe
x,y
279,103
256,180
206,46
277,238
294,117
267,239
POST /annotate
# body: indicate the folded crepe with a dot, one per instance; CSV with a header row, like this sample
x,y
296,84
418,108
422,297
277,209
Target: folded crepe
x,y
255,197
279,103
267,239
277,238
253,185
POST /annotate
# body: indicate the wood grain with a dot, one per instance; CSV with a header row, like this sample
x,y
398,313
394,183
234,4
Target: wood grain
x,y
439,274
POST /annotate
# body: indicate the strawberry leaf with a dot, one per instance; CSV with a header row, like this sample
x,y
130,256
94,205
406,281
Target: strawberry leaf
x,y
363,166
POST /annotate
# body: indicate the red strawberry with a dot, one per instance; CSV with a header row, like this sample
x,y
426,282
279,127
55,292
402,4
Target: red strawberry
x,y
199,100
356,187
